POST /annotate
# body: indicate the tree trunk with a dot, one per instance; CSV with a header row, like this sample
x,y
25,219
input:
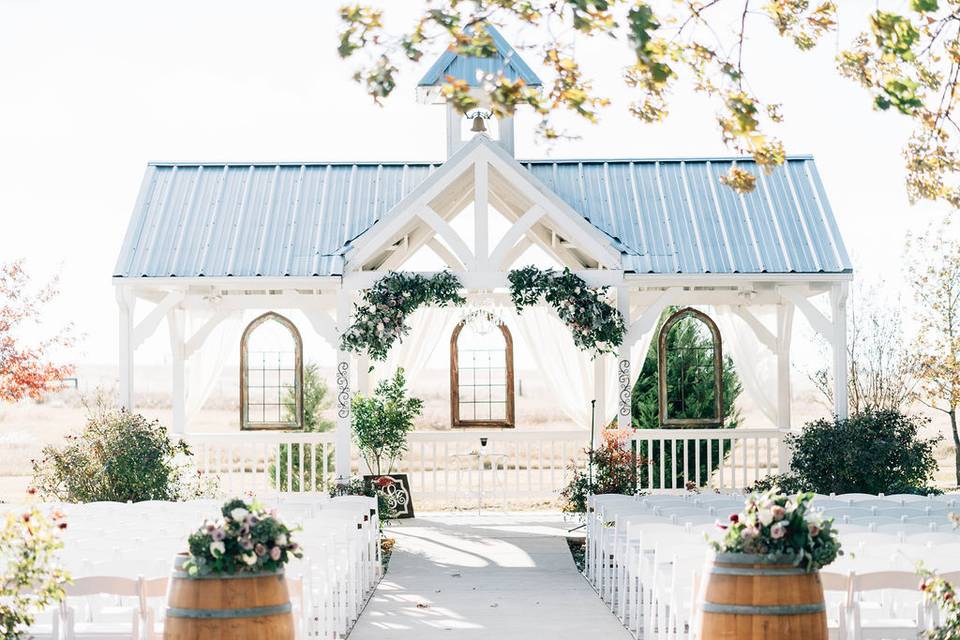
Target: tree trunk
x,y
956,443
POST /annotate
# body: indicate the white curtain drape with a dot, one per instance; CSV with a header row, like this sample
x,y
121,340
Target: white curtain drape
x,y
205,366
756,365
430,329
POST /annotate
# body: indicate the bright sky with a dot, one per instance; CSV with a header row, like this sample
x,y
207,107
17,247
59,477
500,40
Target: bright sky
x,y
91,91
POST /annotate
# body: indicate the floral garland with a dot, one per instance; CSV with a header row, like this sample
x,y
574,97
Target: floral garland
x,y
380,319
595,324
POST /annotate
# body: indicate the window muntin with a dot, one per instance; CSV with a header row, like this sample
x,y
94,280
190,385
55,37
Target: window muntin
x,y
481,377
271,374
681,405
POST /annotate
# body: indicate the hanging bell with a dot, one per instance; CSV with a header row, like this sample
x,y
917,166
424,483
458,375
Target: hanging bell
x,y
478,125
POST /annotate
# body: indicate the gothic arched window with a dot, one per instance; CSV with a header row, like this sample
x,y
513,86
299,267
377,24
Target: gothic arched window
x,y
481,375
271,374
690,370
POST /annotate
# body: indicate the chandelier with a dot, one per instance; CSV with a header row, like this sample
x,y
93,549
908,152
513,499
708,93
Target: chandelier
x,y
482,316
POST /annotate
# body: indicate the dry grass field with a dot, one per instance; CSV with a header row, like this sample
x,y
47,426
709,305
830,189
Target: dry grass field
x,y
25,428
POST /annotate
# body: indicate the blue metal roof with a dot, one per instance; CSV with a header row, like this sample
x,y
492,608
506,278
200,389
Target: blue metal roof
x,y
472,68
297,219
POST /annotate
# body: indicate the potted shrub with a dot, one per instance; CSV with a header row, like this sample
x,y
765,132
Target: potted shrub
x,y
231,582
381,423
764,574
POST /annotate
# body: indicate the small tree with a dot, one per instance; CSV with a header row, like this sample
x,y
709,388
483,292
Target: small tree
x,y
315,400
934,270
31,578
26,369
684,341
382,421
881,367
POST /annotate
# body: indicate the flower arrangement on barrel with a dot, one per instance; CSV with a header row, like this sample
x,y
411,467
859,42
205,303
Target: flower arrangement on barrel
x,y
765,570
235,568
245,538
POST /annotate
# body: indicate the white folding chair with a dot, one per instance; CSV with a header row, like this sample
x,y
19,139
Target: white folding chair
x,y
897,591
99,621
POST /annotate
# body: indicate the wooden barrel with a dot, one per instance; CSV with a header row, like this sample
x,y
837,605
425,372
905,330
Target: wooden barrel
x,y
245,606
754,597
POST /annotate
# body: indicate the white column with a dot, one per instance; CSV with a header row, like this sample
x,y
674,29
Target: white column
x,y
481,251
175,324
126,302
624,390
600,393
784,337
342,437
838,309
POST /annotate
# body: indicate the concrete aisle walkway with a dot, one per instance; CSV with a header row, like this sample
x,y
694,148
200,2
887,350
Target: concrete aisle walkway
x,y
492,576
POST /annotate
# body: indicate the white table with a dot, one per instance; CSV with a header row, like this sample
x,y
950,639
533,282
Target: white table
x,y
482,457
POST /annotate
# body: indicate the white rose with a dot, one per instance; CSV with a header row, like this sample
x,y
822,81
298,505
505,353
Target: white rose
x,y
765,516
239,514
249,558
281,540
217,548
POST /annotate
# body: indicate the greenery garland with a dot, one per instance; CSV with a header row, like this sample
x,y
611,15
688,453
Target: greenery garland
x,y
594,323
380,319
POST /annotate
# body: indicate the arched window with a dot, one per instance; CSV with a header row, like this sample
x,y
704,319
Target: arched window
x,y
481,375
271,374
690,370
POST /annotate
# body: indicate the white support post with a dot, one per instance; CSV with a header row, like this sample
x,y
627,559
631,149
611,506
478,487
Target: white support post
x,y
838,310
783,340
480,210
624,391
342,436
176,325
600,394
126,302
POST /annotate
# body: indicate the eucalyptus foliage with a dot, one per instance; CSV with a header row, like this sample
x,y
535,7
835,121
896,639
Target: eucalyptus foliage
x,y
594,323
382,421
380,319
905,56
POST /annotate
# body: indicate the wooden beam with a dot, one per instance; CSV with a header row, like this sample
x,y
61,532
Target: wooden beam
x,y
445,231
516,232
649,316
817,320
481,214
764,335
148,325
515,252
445,254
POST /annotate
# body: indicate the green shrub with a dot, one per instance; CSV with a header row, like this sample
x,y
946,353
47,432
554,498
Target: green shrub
x,y
875,451
315,400
119,456
684,341
382,421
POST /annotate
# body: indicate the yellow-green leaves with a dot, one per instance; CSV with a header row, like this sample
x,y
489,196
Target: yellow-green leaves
x,y
895,35
362,25
795,19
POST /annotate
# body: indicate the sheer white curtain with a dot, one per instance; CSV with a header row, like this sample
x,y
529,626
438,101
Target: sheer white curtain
x,y
756,365
637,354
430,328
205,366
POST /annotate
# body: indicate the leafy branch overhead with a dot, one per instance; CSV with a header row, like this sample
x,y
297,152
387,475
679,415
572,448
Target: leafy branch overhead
x,y
907,59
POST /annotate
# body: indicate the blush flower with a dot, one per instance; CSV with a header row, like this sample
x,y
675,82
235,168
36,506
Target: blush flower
x,y
778,531
275,553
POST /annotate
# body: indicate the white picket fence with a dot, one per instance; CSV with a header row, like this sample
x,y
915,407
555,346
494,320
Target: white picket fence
x,y
466,467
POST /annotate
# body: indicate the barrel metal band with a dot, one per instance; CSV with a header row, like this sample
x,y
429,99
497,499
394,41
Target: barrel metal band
x,y
764,610
227,576
225,614
754,558
744,571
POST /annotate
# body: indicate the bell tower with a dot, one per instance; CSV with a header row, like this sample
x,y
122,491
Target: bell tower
x,y
471,69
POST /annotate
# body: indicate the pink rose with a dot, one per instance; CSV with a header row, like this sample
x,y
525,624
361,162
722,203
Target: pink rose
x,y
778,531
778,512
813,529
259,549
275,553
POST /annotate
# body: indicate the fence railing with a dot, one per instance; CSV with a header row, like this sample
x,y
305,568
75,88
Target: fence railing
x,y
721,459
491,466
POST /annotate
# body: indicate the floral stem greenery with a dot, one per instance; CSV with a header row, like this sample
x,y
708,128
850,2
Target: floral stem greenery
x,y
380,319
594,323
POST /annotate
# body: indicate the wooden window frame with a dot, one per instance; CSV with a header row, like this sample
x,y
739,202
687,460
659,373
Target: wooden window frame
x,y
245,423
666,420
509,422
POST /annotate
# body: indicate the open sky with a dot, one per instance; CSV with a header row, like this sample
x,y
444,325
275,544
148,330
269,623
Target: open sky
x,y
91,91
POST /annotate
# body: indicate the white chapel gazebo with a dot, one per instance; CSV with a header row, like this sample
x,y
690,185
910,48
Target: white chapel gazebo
x,y
208,242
